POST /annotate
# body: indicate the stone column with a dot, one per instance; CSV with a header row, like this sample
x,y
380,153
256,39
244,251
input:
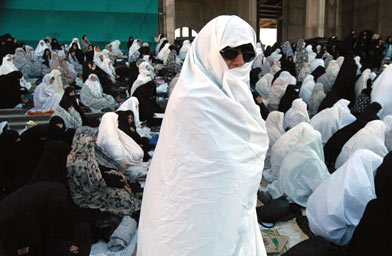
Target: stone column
x,y
315,17
170,19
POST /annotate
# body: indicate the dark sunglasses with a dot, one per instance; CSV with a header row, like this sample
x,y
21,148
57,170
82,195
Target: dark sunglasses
x,y
248,53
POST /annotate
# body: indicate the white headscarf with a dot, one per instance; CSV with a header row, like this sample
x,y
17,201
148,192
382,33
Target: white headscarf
x,y
337,205
39,50
116,143
340,61
145,76
307,88
58,82
132,104
95,86
197,192
357,60
263,86
184,49
160,42
134,48
388,134
311,54
278,89
371,137
162,53
276,56
302,169
330,120
298,113
302,135
382,92
274,126
74,40
316,63
333,70
116,48
362,82
7,66
45,97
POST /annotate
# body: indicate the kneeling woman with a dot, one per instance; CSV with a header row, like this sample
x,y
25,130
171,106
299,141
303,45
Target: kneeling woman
x,y
120,146
93,97
126,123
86,182
69,110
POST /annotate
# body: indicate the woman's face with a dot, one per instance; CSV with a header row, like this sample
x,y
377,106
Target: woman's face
x,y
60,125
51,81
72,93
42,44
69,158
235,63
93,79
130,119
74,46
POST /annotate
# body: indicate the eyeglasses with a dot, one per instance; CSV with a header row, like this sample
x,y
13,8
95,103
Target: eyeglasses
x,y
248,54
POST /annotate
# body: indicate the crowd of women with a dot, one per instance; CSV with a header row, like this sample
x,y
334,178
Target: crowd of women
x,y
67,184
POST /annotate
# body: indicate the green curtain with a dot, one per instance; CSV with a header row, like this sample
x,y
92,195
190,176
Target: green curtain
x,y
102,21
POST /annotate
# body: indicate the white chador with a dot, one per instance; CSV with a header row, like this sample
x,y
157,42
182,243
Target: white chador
x,y
337,205
200,193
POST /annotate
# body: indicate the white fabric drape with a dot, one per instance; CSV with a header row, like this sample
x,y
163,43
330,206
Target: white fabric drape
x,y
39,50
371,137
330,120
184,49
298,113
45,97
307,87
337,205
301,164
362,82
145,75
202,201
382,92
116,143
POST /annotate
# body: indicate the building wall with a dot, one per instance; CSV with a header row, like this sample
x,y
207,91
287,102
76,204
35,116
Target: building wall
x,y
294,19
196,13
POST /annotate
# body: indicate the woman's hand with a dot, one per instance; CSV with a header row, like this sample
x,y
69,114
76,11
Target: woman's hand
x,y
124,165
74,249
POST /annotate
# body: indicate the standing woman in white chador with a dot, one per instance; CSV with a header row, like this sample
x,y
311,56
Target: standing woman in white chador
x,y
200,193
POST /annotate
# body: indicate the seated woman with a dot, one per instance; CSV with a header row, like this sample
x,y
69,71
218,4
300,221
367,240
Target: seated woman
x,y
132,104
93,97
301,169
23,64
35,220
10,89
144,90
58,62
120,146
47,58
126,123
73,60
45,97
88,188
69,110
337,205
58,81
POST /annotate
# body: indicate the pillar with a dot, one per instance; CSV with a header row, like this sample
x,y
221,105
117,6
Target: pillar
x,y
315,17
170,19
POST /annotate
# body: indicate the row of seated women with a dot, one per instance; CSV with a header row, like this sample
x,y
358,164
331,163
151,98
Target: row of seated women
x,y
58,185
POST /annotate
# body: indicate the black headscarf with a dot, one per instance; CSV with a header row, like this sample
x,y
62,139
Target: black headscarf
x,y
89,55
67,101
130,42
335,144
78,53
124,125
254,77
383,179
10,89
344,86
52,165
292,93
319,71
46,58
55,44
263,109
289,66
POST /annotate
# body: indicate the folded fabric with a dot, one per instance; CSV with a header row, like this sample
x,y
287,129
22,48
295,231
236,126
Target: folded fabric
x,y
123,234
